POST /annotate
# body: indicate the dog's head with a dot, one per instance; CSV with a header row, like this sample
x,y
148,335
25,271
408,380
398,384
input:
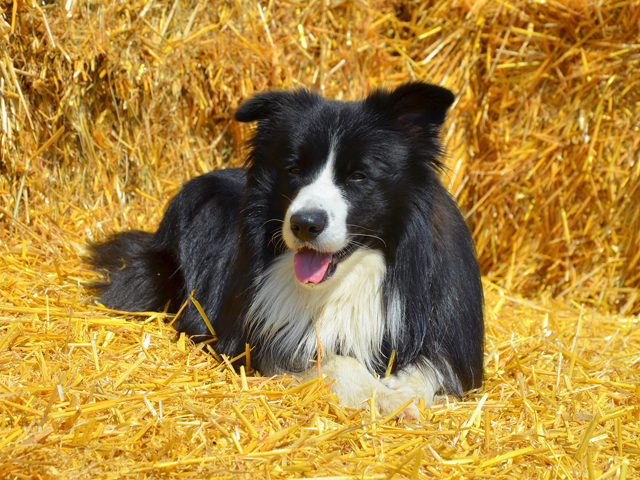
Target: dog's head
x,y
339,174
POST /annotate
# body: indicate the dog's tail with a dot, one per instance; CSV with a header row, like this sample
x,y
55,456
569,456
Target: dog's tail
x,y
139,276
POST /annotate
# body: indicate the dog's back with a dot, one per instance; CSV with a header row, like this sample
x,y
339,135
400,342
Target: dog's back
x,y
145,270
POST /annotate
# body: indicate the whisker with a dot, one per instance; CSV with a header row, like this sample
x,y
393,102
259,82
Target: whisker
x,y
273,220
281,245
358,226
367,235
278,241
276,238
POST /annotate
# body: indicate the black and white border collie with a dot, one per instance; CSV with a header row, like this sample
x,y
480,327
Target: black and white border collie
x,y
337,233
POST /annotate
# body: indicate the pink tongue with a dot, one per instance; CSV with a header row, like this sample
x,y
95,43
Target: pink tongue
x,y
310,265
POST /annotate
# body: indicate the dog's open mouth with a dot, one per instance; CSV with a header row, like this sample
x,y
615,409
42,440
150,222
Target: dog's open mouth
x,y
312,266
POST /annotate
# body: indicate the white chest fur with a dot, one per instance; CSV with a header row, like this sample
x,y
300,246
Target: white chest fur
x,y
347,312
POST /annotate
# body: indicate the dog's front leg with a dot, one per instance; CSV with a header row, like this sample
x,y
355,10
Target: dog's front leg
x,y
417,381
354,385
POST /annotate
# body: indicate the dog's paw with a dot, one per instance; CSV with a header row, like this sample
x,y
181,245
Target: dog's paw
x,y
355,386
389,400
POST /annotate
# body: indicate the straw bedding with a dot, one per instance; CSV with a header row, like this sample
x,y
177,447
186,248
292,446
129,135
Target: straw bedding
x,y
107,107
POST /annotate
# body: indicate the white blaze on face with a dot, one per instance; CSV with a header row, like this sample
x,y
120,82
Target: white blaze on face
x,y
321,195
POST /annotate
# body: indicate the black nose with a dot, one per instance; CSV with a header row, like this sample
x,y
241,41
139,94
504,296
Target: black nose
x,y
308,225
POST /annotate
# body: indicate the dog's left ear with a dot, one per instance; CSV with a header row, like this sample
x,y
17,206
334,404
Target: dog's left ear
x,y
414,105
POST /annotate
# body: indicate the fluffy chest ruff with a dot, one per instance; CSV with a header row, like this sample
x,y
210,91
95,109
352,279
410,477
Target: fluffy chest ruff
x,y
346,316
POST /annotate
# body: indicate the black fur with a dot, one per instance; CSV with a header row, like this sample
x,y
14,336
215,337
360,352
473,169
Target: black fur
x,y
220,232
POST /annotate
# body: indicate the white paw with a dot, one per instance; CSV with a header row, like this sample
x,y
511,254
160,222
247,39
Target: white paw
x,y
388,401
355,386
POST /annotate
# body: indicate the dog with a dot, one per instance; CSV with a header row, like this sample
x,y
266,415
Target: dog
x,y
336,234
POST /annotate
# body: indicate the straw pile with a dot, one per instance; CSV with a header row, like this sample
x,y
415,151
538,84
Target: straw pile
x,y
106,108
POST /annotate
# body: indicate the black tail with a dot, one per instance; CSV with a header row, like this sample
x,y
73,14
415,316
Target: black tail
x,y
140,277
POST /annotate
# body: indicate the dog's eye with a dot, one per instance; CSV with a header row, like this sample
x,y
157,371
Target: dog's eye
x,y
357,177
294,171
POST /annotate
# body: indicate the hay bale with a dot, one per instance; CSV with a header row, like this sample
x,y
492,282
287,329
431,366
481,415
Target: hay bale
x,y
543,140
106,108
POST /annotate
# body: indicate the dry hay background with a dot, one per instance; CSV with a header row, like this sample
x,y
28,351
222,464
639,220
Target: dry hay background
x,y
107,107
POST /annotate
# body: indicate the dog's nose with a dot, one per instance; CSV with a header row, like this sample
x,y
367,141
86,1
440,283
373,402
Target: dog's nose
x,y
308,225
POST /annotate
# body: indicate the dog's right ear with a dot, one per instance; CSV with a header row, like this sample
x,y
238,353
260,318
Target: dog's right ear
x,y
268,104
261,106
